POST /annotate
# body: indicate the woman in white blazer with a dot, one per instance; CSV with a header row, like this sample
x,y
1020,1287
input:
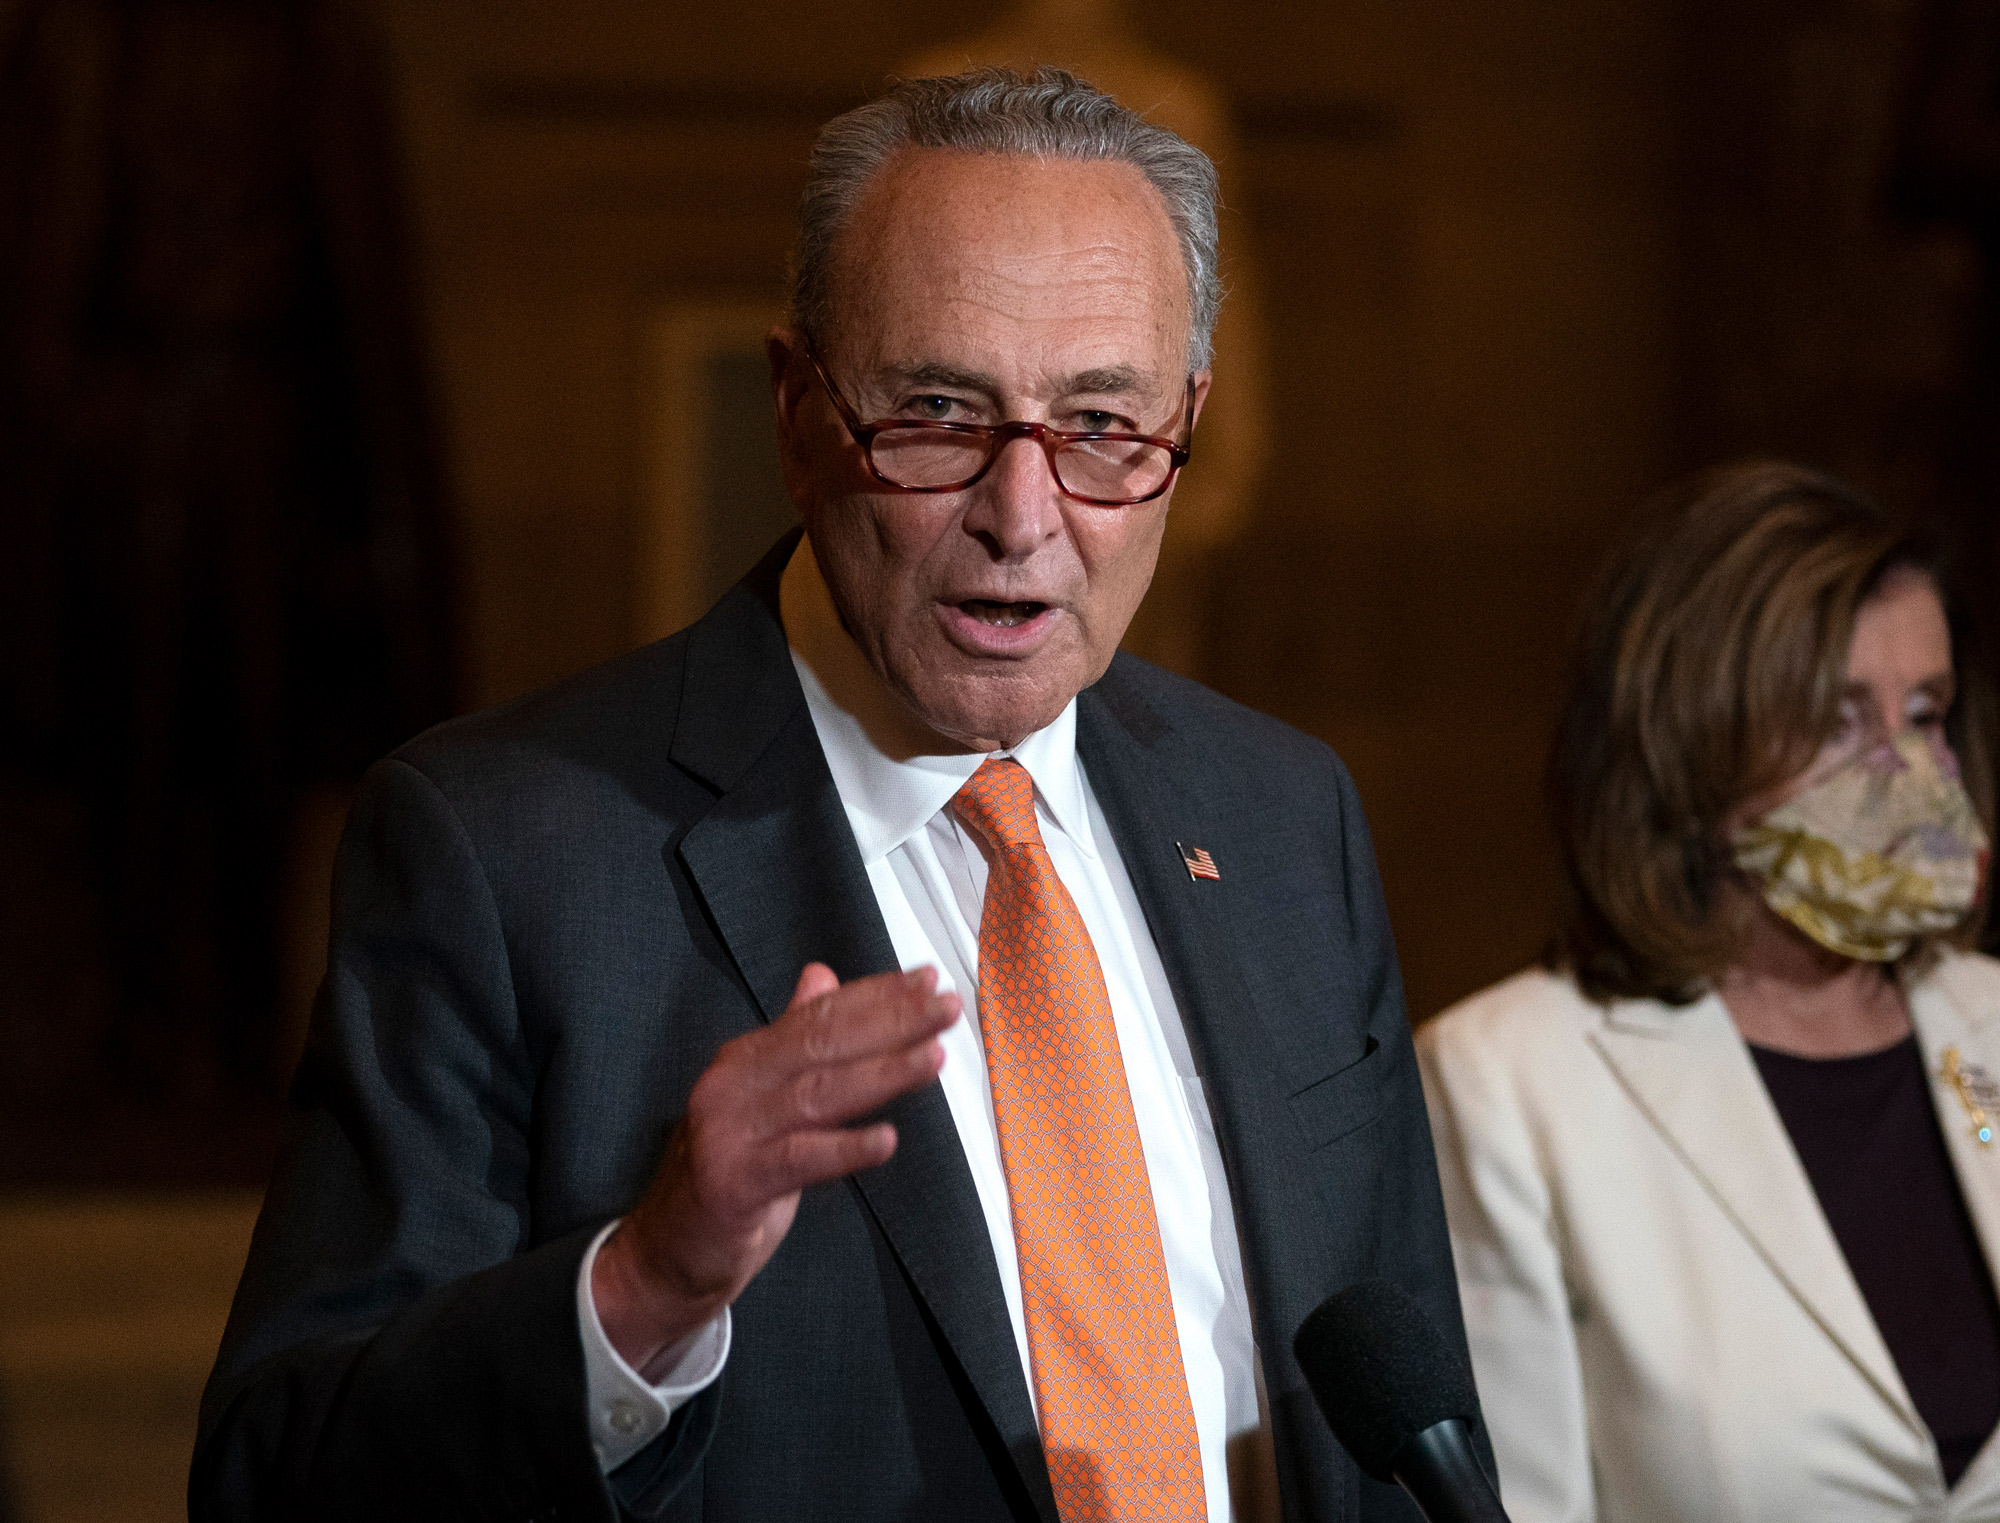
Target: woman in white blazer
x,y
1723,1181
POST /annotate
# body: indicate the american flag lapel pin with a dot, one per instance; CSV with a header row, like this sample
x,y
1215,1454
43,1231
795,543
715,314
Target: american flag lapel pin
x,y
1199,863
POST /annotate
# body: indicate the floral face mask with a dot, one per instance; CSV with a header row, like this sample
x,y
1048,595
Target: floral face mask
x,y
1881,851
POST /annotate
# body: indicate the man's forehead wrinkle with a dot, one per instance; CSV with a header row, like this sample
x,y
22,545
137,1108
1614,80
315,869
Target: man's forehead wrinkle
x,y
1098,274
1011,280
1116,255
902,200
1120,287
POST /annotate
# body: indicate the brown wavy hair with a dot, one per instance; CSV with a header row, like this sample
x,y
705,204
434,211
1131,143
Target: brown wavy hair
x,y
1711,669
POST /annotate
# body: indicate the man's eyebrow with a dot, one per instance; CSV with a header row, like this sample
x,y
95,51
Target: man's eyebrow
x,y
1108,380
1113,380
936,373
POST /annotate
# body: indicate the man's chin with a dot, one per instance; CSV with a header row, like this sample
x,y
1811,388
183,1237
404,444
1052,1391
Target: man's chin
x,y
990,713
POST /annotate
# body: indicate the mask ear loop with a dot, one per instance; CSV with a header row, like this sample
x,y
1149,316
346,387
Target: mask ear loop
x,y
1967,1083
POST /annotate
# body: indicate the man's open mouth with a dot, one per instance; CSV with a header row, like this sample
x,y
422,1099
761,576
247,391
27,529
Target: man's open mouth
x,y
1001,615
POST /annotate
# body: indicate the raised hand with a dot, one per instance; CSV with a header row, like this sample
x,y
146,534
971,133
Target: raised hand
x,y
771,1115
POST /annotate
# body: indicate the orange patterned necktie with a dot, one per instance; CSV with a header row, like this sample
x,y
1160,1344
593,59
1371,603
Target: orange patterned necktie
x,y
1117,1425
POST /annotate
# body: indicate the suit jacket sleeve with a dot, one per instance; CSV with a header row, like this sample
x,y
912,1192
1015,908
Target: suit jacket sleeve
x,y
404,1342
1517,1303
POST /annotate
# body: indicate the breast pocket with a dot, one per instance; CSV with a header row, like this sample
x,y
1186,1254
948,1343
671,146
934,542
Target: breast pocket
x,y
1330,1108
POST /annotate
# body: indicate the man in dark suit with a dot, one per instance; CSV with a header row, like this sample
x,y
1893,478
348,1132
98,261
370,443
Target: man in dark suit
x,y
879,1053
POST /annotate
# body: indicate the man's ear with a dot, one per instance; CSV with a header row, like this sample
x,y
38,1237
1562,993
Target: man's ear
x,y
791,381
791,376
1201,380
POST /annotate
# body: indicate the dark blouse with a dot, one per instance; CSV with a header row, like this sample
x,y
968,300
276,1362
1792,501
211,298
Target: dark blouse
x,y
1868,1136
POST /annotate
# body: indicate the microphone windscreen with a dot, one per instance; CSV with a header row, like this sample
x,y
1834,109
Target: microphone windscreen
x,y
1381,1371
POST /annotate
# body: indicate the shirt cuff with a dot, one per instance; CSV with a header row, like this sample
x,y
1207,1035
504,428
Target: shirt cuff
x,y
626,1413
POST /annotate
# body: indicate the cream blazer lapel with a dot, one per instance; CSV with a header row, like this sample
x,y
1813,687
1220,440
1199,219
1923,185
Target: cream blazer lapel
x,y
1961,1013
1954,1009
1691,1075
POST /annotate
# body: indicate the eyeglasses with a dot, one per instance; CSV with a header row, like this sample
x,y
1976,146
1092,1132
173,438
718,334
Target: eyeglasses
x,y
1104,470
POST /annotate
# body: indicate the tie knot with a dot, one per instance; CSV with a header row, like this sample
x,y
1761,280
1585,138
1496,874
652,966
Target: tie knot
x,y
998,801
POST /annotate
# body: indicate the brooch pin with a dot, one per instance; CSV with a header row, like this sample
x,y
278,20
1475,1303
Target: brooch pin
x,y
1199,863
1976,1091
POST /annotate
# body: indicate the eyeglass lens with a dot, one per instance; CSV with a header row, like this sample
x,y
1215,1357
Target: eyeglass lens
x,y
1107,468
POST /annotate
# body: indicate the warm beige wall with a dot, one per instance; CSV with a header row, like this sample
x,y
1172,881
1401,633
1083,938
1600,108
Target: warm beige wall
x,y
1463,218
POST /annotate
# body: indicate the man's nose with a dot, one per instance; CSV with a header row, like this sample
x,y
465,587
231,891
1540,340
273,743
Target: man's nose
x,y
1018,504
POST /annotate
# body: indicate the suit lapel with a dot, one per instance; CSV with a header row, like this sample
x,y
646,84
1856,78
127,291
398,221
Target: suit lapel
x,y
1950,1011
1121,743
1149,785
1142,781
775,865
1690,1073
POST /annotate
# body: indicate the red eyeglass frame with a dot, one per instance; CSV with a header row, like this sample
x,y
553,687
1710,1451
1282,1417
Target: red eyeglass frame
x,y
1002,434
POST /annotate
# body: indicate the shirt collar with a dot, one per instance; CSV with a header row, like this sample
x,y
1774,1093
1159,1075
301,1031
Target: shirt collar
x,y
889,800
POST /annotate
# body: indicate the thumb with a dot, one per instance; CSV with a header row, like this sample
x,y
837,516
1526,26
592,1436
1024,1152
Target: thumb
x,y
817,979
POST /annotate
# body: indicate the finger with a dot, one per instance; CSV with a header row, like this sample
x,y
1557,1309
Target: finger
x,y
834,1095
867,1017
816,980
815,1158
747,1090
817,986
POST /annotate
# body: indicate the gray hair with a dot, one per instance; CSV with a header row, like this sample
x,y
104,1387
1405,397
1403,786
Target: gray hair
x,y
1047,114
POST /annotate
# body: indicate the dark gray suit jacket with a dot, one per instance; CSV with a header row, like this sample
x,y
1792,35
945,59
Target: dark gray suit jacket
x,y
546,920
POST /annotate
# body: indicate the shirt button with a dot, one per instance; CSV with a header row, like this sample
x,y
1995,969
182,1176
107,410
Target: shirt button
x,y
626,1418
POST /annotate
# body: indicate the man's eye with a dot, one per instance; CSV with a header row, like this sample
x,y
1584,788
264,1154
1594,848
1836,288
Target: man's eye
x,y
931,409
1097,421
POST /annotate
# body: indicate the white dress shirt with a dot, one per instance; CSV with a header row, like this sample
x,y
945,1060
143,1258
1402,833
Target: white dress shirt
x,y
929,877
928,874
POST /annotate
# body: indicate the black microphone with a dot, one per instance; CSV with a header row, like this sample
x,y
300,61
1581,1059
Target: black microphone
x,y
1399,1399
